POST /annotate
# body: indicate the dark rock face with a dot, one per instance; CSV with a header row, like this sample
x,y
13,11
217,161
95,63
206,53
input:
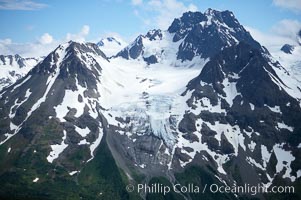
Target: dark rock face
x,y
225,122
110,39
257,84
181,26
48,82
287,48
16,57
155,34
187,125
198,34
136,49
14,68
151,59
206,34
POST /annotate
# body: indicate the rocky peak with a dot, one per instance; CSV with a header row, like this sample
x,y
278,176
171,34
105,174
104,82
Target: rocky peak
x,y
9,59
181,26
206,34
75,47
155,34
69,52
287,48
109,39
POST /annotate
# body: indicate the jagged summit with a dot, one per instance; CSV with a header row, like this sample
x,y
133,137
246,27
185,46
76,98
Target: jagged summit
x,y
69,52
206,34
14,67
111,45
194,34
108,39
201,99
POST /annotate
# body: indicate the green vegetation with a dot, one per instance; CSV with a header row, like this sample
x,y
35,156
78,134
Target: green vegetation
x,y
200,177
160,196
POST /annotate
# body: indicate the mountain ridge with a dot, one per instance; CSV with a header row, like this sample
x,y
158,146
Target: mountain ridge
x,y
156,109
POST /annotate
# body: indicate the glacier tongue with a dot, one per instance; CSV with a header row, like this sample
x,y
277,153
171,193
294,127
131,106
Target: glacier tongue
x,y
148,95
159,113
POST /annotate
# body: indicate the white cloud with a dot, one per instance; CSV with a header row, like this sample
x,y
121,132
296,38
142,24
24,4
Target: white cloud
x,y
294,5
115,35
34,49
284,32
137,2
6,41
168,10
161,13
287,28
21,5
79,37
42,46
46,38
270,40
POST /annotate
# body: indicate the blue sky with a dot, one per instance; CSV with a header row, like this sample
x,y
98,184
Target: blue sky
x,y
27,21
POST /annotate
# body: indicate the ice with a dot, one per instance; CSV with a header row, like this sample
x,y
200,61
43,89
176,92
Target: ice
x,y
83,132
254,163
275,109
17,105
95,144
51,79
13,126
159,113
199,147
22,82
71,101
265,155
232,133
282,125
149,95
111,46
57,149
299,173
73,172
204,104
35,180
252,106
142,166
83,142
12,71
290,73
230,90
8,136
284,159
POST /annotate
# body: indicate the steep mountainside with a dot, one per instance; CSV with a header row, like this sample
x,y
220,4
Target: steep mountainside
x,y
201,103
13,68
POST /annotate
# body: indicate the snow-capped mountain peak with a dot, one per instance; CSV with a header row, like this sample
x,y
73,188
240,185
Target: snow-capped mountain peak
x,y
194,34
14,67
111,45
201,98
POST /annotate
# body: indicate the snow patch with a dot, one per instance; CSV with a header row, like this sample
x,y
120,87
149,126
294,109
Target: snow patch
x,y
284,159
57,149
95,144
35,180
83,132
